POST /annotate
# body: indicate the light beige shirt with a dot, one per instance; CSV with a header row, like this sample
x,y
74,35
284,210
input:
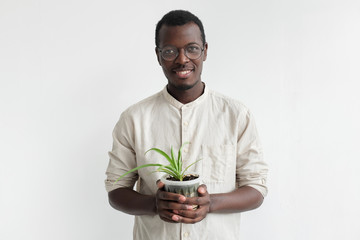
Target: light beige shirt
x,y
221,132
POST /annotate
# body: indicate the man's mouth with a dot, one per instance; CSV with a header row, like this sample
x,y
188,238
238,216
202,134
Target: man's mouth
x,y
183,73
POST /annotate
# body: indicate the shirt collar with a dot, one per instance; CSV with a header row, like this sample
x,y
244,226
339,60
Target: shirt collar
x,y
180,105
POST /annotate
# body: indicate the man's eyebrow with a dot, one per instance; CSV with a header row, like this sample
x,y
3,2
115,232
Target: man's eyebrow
x,y
169,45
193,43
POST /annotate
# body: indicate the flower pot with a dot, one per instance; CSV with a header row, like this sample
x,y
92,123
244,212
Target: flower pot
x,y
186,188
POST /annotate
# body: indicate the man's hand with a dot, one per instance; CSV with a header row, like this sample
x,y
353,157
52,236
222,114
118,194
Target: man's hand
x,y
176,208
203,202
167,203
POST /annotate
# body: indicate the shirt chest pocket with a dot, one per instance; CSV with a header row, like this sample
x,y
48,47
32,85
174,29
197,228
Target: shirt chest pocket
x,y
217,162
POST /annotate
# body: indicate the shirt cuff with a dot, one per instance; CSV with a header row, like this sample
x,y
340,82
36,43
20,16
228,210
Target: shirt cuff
x,y
259,185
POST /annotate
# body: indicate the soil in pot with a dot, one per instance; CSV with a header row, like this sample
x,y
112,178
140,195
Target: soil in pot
x,y
186,178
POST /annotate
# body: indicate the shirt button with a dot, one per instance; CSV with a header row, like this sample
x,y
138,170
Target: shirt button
x,y
185,150
186,123
186,234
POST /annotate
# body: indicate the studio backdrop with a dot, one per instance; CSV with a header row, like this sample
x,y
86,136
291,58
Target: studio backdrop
x,y
69,68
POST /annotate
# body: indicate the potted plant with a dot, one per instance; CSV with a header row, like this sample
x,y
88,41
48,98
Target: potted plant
x,y
176,179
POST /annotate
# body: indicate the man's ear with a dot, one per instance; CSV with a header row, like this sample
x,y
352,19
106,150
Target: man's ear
x,y
205,51
157,55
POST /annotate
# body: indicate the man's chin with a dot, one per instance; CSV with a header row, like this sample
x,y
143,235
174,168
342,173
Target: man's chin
x,y
184,86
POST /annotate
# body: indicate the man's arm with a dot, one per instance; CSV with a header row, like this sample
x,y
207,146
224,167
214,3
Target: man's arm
x,y
240,200
132,202
174,208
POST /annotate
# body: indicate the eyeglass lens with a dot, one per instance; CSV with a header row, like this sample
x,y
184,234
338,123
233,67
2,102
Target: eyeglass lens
x,y
192,51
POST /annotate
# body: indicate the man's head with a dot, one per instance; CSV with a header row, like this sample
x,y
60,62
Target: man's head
x,y
181,49
178,18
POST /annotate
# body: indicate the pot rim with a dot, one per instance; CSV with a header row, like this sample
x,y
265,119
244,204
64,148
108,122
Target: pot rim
x,y
181,183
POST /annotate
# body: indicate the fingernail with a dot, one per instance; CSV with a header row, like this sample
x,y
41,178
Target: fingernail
x,y
176,211
175,218
189,207
182,199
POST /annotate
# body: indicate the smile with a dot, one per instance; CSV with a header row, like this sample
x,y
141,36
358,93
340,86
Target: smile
x,y
183,74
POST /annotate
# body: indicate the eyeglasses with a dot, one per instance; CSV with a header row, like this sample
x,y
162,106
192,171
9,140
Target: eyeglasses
x,y
192,51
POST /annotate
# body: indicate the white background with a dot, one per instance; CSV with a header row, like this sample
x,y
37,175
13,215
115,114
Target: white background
x,y
69,68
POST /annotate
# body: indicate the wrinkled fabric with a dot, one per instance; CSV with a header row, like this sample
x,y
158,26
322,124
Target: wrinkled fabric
x,y
221,132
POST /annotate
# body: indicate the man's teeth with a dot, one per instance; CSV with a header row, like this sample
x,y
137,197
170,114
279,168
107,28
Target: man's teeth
x,y
184,72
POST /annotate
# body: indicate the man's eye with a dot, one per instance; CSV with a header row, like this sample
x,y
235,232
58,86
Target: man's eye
x,y
193,49
169,51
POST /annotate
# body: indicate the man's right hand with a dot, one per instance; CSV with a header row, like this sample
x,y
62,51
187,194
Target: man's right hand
x,y
167,202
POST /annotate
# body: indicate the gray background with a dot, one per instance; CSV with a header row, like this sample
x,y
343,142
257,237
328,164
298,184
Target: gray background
x,y
69,68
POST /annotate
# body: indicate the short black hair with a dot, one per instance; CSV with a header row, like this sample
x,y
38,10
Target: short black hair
x,y
178,18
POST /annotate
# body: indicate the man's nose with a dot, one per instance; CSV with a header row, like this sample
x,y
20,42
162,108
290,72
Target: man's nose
x,y
182,58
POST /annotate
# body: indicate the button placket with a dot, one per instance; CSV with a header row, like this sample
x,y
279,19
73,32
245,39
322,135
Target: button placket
x,y
185,133
185,233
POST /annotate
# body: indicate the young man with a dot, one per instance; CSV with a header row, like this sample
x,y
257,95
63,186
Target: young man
x,y
221,132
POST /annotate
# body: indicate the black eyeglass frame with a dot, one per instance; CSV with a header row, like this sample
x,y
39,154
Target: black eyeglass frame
x,y
177,54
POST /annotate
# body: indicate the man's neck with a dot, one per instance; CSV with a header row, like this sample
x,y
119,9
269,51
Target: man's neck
x,y
186,95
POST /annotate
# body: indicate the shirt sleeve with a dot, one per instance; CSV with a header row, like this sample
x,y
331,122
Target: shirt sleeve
x,y
251,170
122,156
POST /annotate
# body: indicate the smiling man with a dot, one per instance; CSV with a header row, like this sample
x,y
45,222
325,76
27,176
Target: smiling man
x,y
221,132
181,53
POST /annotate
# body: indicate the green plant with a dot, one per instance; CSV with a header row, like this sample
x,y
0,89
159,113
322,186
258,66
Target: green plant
x,y
174,169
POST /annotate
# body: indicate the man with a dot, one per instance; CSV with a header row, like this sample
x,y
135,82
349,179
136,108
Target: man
x,y
221,132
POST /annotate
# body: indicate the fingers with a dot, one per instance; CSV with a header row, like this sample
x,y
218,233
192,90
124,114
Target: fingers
x,y
189,216
168,205
167,202
166,210
159,184
202,199
176,208
205,200
193,216
167,216
202,190
168,196
188,213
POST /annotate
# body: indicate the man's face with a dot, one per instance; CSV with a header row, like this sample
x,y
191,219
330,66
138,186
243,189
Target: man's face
x,y
182,73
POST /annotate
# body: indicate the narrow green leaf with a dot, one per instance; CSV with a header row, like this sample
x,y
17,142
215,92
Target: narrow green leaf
x,y
189,166
176,173
173,158
171,168
168,172
162,153
179,160
137,168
